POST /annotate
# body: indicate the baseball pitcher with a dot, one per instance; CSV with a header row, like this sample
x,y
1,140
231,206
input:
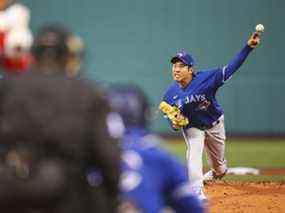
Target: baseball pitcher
x,y
190,104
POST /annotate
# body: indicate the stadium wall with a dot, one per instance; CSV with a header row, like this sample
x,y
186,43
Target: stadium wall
x,y
133,40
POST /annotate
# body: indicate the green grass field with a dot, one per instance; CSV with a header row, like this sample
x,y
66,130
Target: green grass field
x,y
246,153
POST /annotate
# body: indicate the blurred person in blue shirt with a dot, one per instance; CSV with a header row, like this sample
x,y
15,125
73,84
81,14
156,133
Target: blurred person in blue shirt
x,y
151,178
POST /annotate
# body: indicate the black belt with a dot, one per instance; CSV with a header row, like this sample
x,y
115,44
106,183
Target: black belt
x,y
206,127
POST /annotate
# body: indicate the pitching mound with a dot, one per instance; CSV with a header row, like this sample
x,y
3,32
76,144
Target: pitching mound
x,y
245,197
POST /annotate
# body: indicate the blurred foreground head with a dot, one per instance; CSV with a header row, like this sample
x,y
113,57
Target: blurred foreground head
x,y
131,103
57,51
52,131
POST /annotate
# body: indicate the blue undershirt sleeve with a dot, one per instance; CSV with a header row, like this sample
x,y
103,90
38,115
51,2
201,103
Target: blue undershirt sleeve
x,y
227,71
234,64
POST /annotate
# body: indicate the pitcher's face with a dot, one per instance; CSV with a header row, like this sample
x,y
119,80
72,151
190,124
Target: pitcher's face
x,y
181,71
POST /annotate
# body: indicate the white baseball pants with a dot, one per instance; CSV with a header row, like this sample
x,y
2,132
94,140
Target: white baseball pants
x,y
214,141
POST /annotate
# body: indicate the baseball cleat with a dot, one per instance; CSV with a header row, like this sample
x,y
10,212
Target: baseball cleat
x,y
211,176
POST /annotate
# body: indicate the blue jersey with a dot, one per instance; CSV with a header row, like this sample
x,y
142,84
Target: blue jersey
x,y
152,178
198,100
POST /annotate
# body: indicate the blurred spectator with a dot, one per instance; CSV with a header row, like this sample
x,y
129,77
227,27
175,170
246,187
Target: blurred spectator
x,y
52,131
151,177
15,37
57,51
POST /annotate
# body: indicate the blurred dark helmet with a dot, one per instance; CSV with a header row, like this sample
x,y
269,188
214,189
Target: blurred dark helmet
x,y
131,103
56,49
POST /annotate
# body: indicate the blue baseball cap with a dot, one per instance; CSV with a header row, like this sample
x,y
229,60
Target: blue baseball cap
x,y
184,57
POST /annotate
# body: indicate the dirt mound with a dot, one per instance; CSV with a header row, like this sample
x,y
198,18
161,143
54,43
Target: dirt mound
x,y
245,197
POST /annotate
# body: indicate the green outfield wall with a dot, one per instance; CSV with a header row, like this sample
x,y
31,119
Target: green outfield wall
x,y
133,40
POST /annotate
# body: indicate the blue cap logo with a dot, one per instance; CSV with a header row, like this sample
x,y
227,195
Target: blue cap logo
x,y
184,57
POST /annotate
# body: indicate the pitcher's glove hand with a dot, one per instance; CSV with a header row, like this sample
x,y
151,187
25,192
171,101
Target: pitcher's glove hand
x,y
174,115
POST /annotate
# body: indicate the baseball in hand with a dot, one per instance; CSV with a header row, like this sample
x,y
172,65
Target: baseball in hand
x,y
259,28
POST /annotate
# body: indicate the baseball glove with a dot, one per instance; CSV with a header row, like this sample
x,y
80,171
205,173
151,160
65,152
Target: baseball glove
x,y
174,115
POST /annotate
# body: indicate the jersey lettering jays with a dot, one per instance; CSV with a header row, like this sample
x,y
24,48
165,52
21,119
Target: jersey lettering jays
x,y
198,100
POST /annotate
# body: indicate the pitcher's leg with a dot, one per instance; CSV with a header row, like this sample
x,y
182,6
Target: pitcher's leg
x,y
194,139
215,148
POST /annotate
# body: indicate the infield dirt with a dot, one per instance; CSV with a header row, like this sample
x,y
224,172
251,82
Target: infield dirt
x,y
246,197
